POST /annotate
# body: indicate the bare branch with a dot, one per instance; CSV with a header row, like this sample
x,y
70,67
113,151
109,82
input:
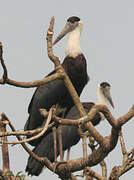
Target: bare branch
x,y
25,133
124,151
114,173
46,162
32,83
92,173
36,136
103,165
122,120
53,58
108,143
5,153
108,115
128,167
3,81
84,137
104,168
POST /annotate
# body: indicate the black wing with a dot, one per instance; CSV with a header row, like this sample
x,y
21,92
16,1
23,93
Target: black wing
x,y
70,137
31,102
45,96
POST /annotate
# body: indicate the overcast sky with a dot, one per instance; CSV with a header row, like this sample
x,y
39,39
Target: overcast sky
x,y
107,41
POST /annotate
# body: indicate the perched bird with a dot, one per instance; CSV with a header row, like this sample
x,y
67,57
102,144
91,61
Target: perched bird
x,y
70,135
55,92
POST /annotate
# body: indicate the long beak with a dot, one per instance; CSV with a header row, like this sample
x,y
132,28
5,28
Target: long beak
x,y
66,30
108,96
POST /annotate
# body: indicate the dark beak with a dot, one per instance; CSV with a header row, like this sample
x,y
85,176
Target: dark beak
x,y
108,96
66,30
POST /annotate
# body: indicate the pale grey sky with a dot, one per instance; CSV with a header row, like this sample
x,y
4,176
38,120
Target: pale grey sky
x,y
107,42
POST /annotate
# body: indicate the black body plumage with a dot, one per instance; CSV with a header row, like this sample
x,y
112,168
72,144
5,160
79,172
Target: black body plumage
x,y
55,92
70,137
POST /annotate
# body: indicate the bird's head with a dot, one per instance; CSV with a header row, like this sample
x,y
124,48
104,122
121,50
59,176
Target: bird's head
x,y
71,24
103,93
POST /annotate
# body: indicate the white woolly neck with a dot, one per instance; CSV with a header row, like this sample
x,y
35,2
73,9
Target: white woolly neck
x,y
73,42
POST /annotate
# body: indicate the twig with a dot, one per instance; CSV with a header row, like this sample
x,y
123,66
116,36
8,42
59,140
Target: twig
x,y
124,151
42,160
35,83
24,133
53,58
5,153
71,122
114,173
95,157
103,165
128,167
131,152
125,118
99,154
104,168
36,136
92,173
84,137
32,83
108,115
3,65
127,163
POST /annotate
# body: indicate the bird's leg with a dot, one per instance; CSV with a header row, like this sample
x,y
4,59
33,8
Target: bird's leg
x,y
55,144
60,142
68,154
60,149
60,112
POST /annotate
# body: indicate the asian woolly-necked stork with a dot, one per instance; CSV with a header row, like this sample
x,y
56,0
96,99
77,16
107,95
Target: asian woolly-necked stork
x,y
70,134
55,92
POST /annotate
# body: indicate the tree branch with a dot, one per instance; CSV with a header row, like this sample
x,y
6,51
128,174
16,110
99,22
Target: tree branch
x,y
92,173
4,79
5,153
44,129
46,162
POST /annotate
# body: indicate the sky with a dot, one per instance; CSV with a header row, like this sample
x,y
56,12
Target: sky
x,y
107,41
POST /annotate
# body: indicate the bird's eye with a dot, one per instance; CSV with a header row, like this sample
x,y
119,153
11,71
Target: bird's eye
x,y
72,25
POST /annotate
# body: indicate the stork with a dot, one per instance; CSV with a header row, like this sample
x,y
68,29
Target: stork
x,y
55,92
70,134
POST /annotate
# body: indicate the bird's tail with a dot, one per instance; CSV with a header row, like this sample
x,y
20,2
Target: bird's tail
x,y
43,149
